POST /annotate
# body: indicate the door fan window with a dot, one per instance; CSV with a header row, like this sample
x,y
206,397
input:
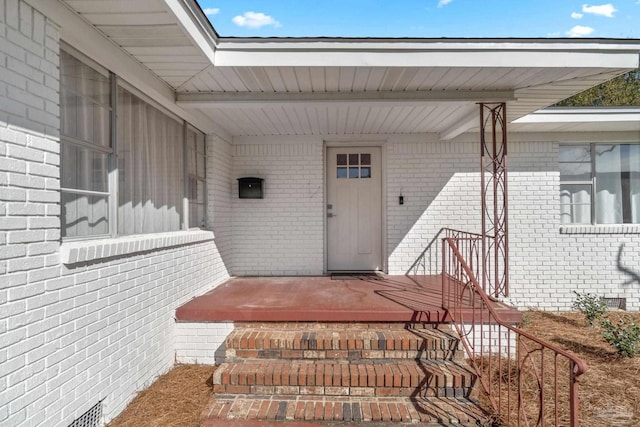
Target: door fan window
x,y
352,166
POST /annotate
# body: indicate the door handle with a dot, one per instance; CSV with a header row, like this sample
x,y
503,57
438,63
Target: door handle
x,y
330,215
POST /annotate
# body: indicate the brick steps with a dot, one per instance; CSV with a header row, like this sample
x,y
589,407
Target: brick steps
x,y
342,378
319,374
297,342
248,411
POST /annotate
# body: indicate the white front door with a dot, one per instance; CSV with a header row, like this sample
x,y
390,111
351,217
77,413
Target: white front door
x,y
354,209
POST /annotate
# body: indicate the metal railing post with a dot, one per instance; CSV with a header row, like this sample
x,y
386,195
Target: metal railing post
x,y
493,184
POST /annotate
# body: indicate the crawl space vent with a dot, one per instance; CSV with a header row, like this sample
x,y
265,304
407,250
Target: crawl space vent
x,y
616,303
91,418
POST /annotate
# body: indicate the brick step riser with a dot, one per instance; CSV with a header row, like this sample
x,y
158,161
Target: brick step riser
x,y
291,346
349,355
352,344
333,376
261,390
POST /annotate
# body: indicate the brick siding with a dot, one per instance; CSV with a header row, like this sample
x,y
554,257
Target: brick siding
x,y
439,181
281,234
440,184
201,342
73,334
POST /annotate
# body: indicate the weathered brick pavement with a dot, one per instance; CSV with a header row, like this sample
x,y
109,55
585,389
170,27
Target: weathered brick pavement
x,y
348,409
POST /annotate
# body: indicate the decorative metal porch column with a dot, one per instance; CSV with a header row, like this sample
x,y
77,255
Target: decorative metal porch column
x,y
493,179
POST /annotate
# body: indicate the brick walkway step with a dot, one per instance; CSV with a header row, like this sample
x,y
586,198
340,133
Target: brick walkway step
x,y
335,378
359,341
252,411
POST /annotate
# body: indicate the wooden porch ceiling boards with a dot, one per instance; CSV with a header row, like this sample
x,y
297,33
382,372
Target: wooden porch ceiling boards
x,y
324,299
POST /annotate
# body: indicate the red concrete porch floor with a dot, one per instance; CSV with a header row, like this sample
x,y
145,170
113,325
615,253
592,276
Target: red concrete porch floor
x,y
365,298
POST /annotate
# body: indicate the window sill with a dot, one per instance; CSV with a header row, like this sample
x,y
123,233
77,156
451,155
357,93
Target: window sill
x,y
601,229
94,250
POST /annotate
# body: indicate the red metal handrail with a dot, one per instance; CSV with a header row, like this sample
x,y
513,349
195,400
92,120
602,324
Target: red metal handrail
x,y
471,245
527,381
481,261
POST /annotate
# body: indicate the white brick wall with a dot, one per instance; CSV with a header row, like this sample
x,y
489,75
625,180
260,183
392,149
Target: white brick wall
x,y
441,189
547,265
201,342
439,182
281,234
110,324
219,167
440,185
485,339
29,211
73,334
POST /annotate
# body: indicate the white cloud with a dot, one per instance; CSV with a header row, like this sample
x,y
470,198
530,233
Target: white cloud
x,y
576,15
602,10
580,31
211,11
442,3
254,20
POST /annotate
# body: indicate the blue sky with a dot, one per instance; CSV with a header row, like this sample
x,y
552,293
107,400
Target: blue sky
x,y
425,18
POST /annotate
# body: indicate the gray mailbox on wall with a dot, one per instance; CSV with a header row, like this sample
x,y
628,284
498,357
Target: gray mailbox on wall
x,y
250,188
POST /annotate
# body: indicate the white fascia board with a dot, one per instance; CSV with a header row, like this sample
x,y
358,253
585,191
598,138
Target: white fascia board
x,y
428,54
198,32
578,115
82,36
260,99
462,59
371,44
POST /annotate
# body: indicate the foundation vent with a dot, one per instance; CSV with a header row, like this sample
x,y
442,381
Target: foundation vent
x,y
91,418
616,303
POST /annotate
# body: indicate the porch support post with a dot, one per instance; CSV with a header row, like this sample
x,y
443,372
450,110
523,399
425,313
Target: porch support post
x,y
494,195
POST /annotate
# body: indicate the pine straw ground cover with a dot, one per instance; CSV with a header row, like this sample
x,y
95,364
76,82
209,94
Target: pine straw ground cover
x,y
175,399
609,391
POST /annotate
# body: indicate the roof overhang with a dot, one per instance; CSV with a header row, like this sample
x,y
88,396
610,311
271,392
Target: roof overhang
x,y
338,87
466,53
591,119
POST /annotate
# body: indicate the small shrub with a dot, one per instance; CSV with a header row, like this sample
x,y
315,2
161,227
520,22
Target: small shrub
x,y
590,305
623,336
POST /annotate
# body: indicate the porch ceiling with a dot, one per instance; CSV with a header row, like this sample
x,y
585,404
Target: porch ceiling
x,y
351,100
334,87
152,32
